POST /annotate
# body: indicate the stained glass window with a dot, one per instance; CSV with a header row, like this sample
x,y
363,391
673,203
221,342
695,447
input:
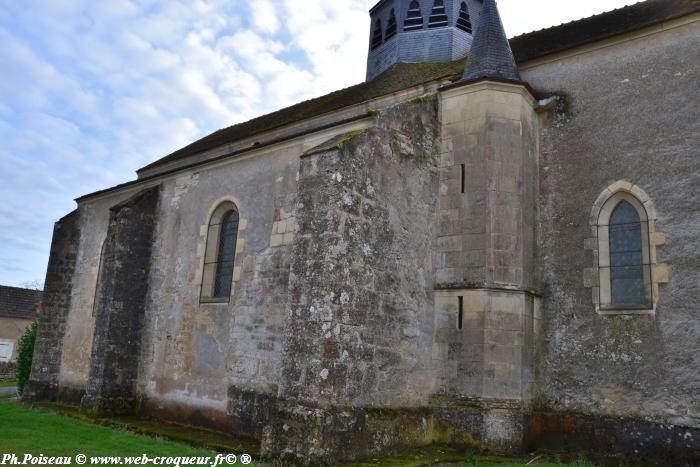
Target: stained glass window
x,y
626,257
228,236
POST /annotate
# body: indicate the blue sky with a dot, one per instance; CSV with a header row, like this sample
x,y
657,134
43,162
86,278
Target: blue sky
x,y
91,90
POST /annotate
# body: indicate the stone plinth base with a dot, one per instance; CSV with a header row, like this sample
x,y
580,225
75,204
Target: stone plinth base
x,y
301,434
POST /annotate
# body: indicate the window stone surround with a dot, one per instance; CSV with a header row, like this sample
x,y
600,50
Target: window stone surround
x,y
202,249
602,208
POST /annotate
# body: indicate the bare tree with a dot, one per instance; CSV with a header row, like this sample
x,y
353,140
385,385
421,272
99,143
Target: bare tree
x,y
34,285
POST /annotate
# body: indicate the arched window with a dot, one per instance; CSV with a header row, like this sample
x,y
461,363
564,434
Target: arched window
x,y
414,17
624,262
438,17
377,35
391,25
220,255
464,21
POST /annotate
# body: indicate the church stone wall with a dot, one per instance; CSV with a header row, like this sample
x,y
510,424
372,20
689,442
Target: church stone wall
x,y
120,304
359,327
630,112
201,361
80,319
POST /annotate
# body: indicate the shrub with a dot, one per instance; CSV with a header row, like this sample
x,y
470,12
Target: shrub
x,y
25,352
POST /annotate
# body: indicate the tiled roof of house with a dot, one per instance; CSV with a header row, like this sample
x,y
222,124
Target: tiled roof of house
x,y
405,75
18,303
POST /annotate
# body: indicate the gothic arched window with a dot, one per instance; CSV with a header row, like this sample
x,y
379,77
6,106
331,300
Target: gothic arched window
x,y
438,17
377,35
414,17
220,254
464,21
624,263
391,25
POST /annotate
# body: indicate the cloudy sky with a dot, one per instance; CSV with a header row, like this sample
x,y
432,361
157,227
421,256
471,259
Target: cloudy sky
x,y
92,90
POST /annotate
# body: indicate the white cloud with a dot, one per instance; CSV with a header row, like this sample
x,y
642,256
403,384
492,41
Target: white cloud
x,y
264,16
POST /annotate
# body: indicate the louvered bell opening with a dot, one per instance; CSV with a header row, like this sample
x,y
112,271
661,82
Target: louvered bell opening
x,y
438,17
414,18
464,22
376,36
391,27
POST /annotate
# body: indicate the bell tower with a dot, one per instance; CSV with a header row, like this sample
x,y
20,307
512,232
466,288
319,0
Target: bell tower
x,y
420,31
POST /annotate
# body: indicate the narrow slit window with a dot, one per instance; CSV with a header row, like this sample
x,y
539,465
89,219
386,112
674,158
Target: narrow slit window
x,y
464,178
464,21
414,17
391,25
377,37
220,255
460,313
438,16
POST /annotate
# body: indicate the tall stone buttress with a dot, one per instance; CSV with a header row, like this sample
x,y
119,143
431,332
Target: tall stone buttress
x,y
486,313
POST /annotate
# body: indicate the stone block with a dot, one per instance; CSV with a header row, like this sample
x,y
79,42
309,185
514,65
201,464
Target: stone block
x,y
507,321
591,277
590,244
501,337
449,243
276,240
658,239
249,263
660,273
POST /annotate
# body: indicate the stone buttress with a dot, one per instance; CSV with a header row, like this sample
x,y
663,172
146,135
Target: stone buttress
x,y
486,309
121,303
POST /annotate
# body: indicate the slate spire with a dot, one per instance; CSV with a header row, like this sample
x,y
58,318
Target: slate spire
x,y
490,56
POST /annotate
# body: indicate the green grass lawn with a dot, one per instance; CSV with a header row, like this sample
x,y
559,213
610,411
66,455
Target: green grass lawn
x,y
8,384
27,431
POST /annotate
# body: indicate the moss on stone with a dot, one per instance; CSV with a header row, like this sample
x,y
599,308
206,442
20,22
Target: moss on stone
x,y
335,142
418,99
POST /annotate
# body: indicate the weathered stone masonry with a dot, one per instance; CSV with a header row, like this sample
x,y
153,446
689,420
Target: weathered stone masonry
x,y
44,382
121,301
360,282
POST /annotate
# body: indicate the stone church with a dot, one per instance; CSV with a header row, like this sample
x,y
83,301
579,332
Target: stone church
x,y
489,242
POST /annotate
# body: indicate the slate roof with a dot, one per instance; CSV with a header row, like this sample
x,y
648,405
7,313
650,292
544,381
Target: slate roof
x,y
404,75
490,55
18,303
400,76
599,27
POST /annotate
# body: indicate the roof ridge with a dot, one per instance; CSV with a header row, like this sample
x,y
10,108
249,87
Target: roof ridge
x,y
585,18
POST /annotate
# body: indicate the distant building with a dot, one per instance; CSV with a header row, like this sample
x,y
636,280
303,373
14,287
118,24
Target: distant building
x,y
488,242
17,310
